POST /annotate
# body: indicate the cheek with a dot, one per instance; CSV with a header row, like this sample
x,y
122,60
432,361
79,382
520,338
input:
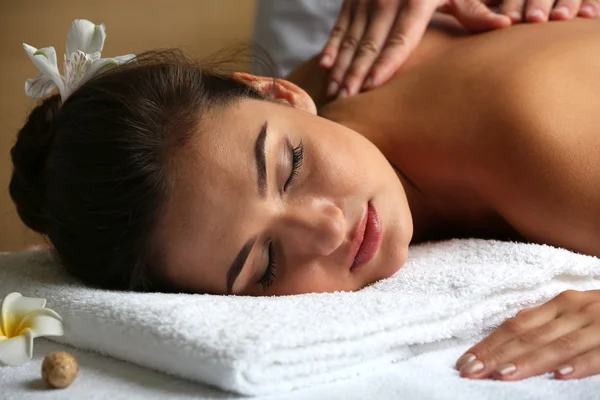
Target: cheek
x,y
394,255
342,159
317,278
398,233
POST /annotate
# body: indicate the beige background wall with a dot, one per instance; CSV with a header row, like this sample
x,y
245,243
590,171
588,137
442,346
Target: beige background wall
x,y
200,27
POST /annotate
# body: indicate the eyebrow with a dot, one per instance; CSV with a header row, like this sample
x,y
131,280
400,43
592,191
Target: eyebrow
x,y
238,264
261,168
261,163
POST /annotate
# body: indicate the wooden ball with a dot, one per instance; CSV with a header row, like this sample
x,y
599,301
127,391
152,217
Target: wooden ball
x,y
59,369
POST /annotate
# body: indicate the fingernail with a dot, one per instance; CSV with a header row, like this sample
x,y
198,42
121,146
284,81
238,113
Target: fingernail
x,y
565,370
368,83
588,11
332,88
465,359
515,16
325,61
472,367
506,369
343,93
536,14
562,11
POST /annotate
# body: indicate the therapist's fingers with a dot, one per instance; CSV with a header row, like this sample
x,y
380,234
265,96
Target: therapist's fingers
x,y
590,9
348,47
538,10
381,19
514,9
476,16
332,47
406,33
565,9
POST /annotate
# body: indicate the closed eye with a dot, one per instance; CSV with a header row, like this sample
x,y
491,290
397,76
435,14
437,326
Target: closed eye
x,y
297,158
269,276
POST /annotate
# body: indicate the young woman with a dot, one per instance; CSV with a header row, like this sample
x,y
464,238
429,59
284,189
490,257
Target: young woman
x,y
159,175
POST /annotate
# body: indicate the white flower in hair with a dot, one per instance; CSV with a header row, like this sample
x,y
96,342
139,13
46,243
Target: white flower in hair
x,y
82,61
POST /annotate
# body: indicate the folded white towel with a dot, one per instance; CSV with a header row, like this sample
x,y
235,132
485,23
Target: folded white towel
x,y
448,293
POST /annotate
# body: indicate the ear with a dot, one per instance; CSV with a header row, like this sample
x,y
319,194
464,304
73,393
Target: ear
x,y
279,90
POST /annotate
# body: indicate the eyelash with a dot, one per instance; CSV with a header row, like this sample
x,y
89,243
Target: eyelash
x,y
297,158
269,275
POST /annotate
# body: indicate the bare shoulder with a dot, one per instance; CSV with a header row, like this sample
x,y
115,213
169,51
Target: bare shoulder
x,y
512,115
443,33
543,169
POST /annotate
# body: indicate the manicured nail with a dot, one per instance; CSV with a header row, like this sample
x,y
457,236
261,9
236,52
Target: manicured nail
x,y
465,359
565,370
472,367
368,83
332,88
588,11
506,369
536,14
515,16
562,11
325,61
343,93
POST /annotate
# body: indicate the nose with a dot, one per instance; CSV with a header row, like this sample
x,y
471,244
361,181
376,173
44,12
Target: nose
x,y
312,225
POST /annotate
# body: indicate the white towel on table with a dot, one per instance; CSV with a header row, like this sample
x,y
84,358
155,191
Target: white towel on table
x,y
429,376
447,293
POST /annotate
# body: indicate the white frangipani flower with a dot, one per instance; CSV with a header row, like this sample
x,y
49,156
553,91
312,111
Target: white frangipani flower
x,y
82,61
22,320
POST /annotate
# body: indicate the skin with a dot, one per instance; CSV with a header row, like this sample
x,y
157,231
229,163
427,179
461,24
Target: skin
x,y
310,222
372,38
480,122
561,335
459,143
504,150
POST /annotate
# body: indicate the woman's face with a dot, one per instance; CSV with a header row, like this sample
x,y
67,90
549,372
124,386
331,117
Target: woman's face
x,y
271,199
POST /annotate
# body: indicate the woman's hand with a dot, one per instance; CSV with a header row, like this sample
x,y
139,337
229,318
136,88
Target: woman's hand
x,y
560,336
544,10
372,38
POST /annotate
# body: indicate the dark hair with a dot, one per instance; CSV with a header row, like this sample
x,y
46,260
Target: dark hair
x,y
93,173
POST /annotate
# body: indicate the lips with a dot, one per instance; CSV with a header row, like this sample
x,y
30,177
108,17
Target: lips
x,y
367,238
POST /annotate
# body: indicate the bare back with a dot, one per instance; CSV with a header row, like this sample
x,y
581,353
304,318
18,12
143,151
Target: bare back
x,y
497,133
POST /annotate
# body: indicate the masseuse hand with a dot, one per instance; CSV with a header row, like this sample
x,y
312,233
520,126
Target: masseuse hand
x,y
372,38
560,336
